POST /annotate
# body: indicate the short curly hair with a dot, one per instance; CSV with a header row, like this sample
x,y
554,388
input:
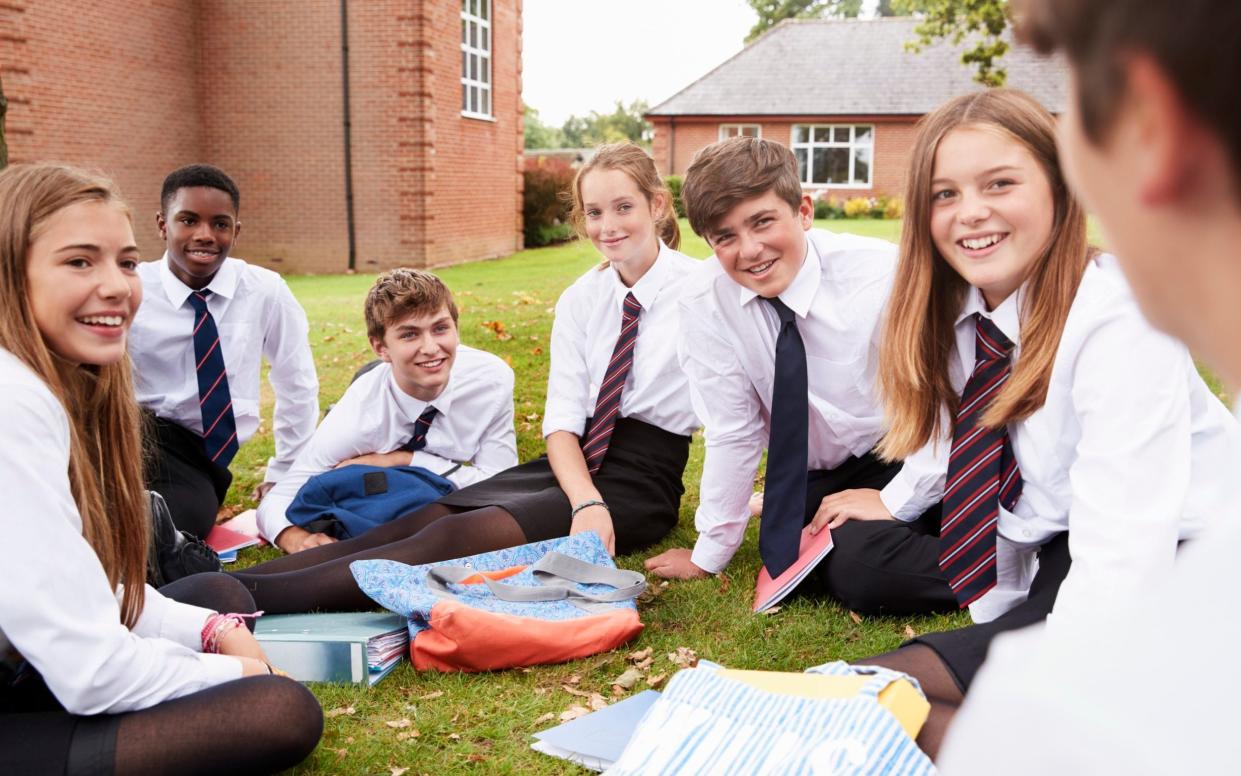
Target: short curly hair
x,y
400,293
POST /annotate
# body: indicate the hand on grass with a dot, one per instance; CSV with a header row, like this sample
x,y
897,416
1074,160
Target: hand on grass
x,y
295,539
756,504
675,564
599,520
837,509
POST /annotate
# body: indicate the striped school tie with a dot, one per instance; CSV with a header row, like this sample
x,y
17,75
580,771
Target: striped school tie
x,y
421,426
982,473
784,500
607,407
214,400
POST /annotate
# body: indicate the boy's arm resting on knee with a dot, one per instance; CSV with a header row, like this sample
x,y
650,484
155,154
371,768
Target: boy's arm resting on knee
x,y
295,539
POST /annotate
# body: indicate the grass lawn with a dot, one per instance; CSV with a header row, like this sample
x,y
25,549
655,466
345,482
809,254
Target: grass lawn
x,y
482,723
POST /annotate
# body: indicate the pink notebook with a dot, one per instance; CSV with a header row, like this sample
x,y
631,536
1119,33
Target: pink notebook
x,y
768,592
223,539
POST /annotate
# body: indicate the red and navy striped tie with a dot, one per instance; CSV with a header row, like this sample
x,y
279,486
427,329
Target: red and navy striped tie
x,y
214,401
421,426
607,407
982,473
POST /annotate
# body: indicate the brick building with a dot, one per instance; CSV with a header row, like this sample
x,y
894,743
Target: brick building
x,y
843,94
431,92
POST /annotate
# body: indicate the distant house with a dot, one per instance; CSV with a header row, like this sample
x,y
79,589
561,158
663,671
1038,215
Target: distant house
x,y
843,94
387,130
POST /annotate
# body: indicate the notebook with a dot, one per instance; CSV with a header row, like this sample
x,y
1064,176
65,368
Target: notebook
x,y
232,535
596,740
768,592
357,647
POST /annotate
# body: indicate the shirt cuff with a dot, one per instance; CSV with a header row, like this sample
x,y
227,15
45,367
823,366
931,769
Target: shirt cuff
x,y
219,668
556,420
711,556
897,496
183,623
272,521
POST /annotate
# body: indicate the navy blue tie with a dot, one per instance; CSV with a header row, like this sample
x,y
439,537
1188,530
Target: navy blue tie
x,y
784,497
214,400
421,426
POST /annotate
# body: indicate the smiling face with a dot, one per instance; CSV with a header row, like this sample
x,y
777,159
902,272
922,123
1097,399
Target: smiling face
x,y
761,242
421,349
198,227
991,209
620,221
82,276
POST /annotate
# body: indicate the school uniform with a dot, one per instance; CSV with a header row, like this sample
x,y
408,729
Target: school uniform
x,y
640,473
469,435
1120,464
729,349
62,618
255,316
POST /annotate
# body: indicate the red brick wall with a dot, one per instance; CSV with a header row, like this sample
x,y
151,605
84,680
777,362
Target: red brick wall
x,y
893,141
256,89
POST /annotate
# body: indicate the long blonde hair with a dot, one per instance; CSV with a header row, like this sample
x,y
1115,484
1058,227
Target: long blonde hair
x,y
927,294
640,167
105,442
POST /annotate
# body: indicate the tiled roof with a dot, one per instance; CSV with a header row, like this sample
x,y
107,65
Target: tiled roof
x,y
851,67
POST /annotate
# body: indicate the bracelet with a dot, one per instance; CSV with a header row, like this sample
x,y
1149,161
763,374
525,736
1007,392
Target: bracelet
x,y
594,502
219,624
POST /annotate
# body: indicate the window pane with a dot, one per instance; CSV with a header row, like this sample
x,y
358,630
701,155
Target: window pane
x,y
465,64
840,134
862,134
831,165
484,8
861,164
464,32
750,130
487,101
801,133
465,97
800,153
465,6
484,70
484,35
821,134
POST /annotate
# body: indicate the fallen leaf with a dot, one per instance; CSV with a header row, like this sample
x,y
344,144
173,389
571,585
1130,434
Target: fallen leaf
x,y
857,618
772,610
628,679
656,680
575,679
574,712
328,338
548,717
537,352
664,583
597,702
725,582
339,752
432,695
395,771
477,758
684,657
641,654
342,710
575,691
644,664
407,735
398,723
910,632
454,736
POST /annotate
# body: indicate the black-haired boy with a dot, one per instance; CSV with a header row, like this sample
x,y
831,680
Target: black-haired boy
x,y
205,324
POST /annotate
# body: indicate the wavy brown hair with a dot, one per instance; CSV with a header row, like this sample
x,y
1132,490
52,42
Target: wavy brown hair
x,y
105,441
927,294
640,167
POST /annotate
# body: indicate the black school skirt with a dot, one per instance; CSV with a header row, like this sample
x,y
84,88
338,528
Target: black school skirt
x,y
640,480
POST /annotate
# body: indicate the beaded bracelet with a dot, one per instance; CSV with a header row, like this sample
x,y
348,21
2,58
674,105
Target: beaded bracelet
x,y
594,502
219,624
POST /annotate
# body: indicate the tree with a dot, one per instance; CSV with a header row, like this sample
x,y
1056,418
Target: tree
x,y
772,12
4,146
538,134
984,21
625,122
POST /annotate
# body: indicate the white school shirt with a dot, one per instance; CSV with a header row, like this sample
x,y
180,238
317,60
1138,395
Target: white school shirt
x,y
56,606
470,439
1126,451
584,332
728,349
257,317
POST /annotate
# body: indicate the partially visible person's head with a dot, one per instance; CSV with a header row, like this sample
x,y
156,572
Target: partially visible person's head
x,y
68,293
411,321
744,197
623,206
198,221
1151,141
986,205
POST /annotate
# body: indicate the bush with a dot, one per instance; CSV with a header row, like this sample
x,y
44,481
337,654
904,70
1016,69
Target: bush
x,y
674,183
828,207
545,201
895,208
858,207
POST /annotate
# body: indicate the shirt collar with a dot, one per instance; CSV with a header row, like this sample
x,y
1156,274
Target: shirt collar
x,y
223,284
646,290
1006,317
414,407
801,292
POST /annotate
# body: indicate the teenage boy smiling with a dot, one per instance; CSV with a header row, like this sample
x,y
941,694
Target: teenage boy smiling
x,y
197,342
779,339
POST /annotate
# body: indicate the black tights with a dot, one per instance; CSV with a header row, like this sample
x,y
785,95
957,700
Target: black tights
x,y
319,578
922,663
259,724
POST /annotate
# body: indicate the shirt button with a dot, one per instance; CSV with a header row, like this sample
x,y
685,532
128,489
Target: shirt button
x,y
1026,532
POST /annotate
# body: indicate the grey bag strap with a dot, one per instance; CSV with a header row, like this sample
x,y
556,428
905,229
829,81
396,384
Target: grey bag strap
x,y
558,574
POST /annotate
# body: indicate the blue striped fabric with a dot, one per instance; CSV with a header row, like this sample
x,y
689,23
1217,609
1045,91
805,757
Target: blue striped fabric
x,y
705,723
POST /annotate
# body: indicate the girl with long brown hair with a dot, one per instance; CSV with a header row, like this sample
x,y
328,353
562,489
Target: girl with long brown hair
x,y
617,421
99,673
1026,391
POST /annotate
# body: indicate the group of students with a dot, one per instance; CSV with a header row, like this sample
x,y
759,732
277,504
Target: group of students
x,y
982,417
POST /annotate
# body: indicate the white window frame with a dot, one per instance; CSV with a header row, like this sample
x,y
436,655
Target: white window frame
x,y
851,144
477,45
725,130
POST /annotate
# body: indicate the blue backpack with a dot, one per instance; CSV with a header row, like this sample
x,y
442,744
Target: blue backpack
x,y
351,500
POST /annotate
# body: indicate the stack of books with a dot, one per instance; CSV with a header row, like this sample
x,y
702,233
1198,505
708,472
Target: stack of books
x,y
357,647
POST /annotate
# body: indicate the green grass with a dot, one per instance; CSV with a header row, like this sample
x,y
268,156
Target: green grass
x,y
482,723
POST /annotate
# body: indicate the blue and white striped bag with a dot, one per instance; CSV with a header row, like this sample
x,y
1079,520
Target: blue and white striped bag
x,y
705,723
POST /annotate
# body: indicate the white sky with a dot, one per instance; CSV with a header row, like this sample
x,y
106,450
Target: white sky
x,y
584,55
